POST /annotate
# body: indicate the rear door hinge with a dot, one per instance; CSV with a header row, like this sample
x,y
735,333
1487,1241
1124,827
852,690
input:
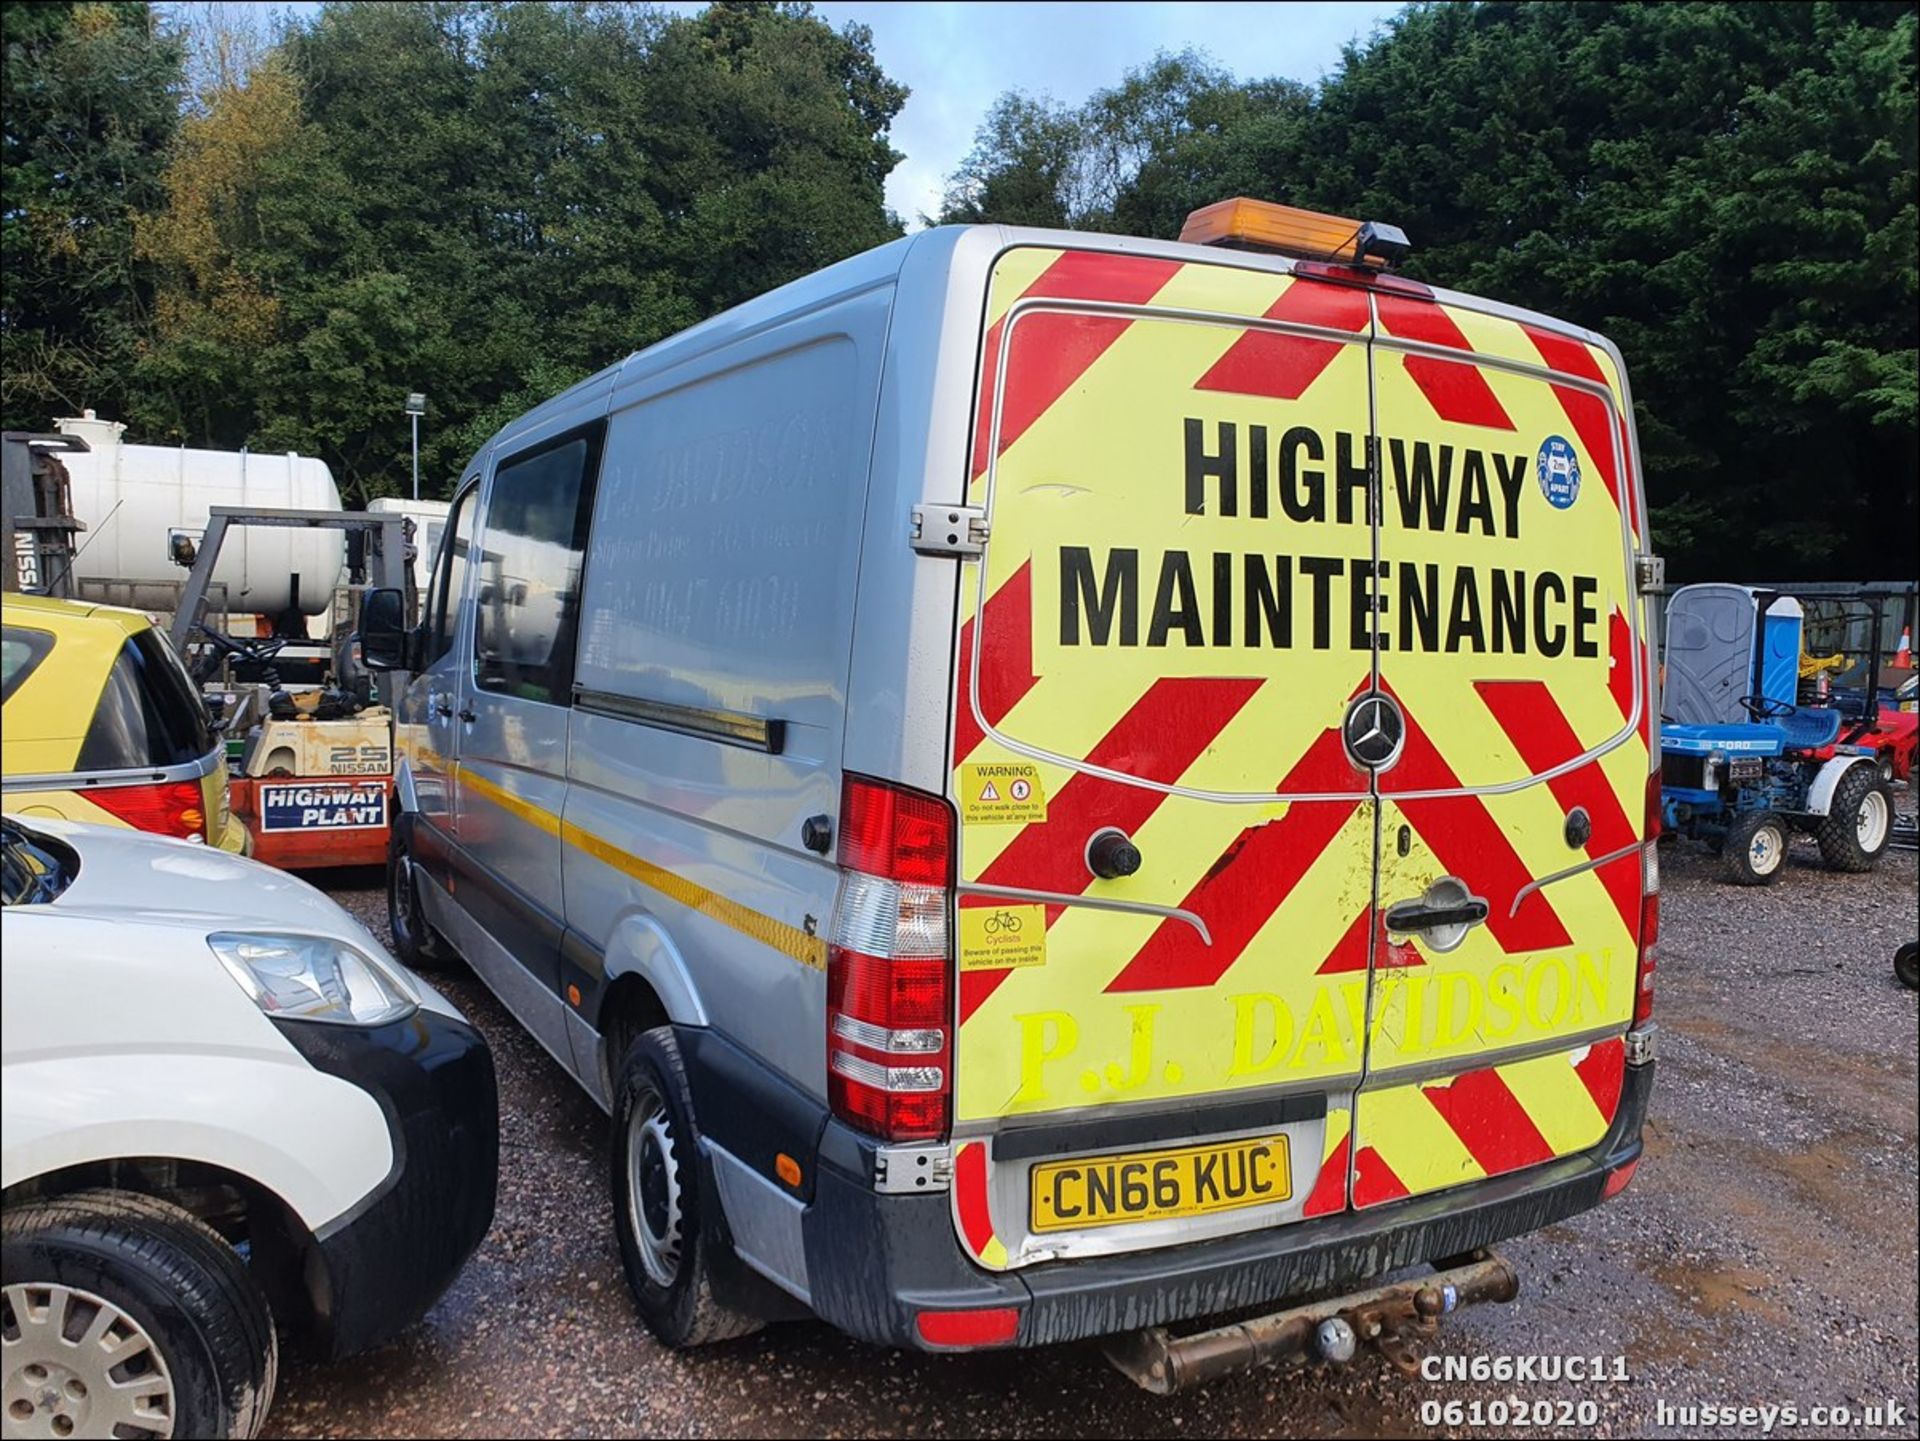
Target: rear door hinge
x,y
899,1170
959,530
1650,573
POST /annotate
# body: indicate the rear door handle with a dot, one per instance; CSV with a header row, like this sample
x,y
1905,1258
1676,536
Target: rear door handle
x,y
443,710
1442,918
469,718
1419,916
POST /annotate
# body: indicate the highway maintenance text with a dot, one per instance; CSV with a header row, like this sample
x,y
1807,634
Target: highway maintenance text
x,y
1120,596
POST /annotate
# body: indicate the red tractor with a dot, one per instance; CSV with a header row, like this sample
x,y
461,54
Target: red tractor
x,y
1869,677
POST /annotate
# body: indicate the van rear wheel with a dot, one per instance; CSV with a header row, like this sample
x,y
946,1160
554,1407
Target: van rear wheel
x,y
670,1231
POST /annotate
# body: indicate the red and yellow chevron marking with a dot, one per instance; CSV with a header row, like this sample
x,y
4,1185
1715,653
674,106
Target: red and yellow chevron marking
x,y
1329,1193
1283,366
1086,395
1551,961
973,1206
1063,346
1190,725
1434,1134
1457,393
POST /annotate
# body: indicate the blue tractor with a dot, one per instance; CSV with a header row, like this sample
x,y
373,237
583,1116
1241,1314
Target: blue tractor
x,y
1743,766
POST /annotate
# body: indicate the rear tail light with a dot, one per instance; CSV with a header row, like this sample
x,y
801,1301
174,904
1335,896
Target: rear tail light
x,y
176,809
1649,906
890,963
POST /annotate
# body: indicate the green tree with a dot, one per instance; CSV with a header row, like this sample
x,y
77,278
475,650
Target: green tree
x,y
90,95
1027,167
1726,190
214,314
487,202
1133,158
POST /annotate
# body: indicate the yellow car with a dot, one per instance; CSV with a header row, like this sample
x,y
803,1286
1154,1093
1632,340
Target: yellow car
x,y
103,724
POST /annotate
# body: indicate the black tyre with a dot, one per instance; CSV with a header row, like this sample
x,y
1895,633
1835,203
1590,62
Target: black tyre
x,y
1858,824
1755,851
1883,762
415,943
125,1316
1906,965
671,1232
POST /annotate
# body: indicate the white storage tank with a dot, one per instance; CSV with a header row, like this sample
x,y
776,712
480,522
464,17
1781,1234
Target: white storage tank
x,y
133,497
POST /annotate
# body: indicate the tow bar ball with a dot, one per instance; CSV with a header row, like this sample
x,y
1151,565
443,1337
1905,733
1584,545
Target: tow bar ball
x,y
1335,1342
1111,855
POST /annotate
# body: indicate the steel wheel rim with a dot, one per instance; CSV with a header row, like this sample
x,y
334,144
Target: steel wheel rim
x,y
77,1364
1764,851
653,1189
402,901
1870,826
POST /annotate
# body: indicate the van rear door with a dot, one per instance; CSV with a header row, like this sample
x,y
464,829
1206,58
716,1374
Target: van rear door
x,y
1511,644
1156,653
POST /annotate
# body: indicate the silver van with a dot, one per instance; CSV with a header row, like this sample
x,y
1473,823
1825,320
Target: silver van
x,y
1059,784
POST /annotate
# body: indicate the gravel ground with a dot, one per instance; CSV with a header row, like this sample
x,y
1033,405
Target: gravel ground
x,y
1764,1255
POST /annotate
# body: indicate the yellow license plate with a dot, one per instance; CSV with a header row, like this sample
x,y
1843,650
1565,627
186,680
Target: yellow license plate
x,y
1160,1185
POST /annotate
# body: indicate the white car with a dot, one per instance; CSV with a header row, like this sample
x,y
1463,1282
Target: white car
x,y
224,1104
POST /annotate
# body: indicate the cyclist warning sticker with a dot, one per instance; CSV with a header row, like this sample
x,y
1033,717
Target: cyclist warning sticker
x,y
1002,792
996,937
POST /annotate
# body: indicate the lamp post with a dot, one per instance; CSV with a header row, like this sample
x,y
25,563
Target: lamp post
x,y
416,407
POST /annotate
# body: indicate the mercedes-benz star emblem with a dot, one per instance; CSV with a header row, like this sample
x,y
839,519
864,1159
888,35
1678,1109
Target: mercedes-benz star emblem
x,y
1374,730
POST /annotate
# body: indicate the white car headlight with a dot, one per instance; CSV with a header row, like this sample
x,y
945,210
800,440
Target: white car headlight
x,y
314,978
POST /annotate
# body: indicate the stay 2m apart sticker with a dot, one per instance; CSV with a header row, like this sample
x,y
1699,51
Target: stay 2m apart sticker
x,y
998,791
997,937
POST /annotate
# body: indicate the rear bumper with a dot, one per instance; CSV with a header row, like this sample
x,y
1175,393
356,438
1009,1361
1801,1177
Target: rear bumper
x,y
376,1270
876,1261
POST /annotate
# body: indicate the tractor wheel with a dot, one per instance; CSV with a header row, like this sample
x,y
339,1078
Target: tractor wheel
x,y
1883,762
1906,965
1756,849
1859,822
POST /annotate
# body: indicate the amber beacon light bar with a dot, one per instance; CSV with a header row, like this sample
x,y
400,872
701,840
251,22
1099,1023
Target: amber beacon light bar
x,y
1244,224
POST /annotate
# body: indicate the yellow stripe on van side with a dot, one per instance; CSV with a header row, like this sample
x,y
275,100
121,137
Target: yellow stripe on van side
x,y
535,816
789,940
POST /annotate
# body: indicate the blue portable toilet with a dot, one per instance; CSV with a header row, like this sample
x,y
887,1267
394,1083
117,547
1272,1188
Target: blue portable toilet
x,y
1779,669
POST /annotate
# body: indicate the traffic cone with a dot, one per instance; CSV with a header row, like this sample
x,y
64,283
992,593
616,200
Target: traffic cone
x,y
1903,656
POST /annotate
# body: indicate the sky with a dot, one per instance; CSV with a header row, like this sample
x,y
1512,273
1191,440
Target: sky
x,y
959,56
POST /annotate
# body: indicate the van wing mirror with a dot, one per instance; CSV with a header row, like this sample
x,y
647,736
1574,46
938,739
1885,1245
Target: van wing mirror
x,y
383,630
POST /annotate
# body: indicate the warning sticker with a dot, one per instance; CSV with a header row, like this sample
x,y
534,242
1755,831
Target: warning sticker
x,y
1007,791
994,938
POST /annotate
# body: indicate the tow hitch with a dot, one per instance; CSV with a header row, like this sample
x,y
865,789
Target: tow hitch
x,y
1385,1318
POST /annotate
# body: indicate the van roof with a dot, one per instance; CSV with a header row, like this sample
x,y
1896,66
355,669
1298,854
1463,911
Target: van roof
x,y
942,244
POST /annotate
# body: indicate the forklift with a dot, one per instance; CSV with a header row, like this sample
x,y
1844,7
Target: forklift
x,y
313,777
36,513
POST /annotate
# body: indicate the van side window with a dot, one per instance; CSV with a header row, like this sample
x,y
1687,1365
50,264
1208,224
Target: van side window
x,y
527,592
449,581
